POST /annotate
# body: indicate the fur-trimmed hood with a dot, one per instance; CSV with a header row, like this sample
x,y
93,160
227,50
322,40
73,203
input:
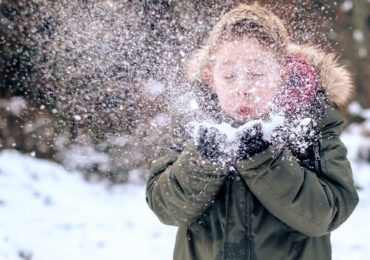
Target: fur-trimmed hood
x,y
335,80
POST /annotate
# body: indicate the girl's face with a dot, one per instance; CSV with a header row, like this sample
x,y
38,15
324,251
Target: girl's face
x,y
245,77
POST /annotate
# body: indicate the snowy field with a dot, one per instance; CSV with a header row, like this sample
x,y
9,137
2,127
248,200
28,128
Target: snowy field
x,y
49,213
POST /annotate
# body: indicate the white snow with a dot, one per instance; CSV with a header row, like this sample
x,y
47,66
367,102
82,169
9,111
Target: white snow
x,y
84,157
232,133
77,117
49,213
193,104
270,127
185,104
351,240
355,108
346,6
358,36
153,88
160,120
15,105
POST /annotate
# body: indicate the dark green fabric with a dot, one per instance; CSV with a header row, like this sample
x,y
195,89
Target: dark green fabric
x,y
266,207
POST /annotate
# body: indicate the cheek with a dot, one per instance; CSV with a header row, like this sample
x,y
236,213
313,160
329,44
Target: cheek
x,y
270,88
266,95
223,93
225,99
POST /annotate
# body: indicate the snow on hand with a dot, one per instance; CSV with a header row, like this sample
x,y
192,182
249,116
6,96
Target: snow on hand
x,y
232,134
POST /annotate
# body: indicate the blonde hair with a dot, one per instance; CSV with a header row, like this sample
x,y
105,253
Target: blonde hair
x,y
253,21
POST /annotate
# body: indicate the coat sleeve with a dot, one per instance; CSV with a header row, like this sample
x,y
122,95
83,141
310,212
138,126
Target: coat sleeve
x,y
182,184
308,203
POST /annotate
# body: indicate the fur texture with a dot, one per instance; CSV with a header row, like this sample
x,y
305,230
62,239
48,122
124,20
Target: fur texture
x,y
335,80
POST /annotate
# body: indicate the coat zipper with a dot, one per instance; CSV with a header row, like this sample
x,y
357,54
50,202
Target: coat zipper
x,y
249,222
227,214
316,150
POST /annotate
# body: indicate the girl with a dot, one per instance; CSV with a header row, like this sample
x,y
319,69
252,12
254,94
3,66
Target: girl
x,y
261,204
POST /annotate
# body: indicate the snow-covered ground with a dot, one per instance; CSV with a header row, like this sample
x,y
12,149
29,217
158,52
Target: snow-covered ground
x,y
352,239
49,213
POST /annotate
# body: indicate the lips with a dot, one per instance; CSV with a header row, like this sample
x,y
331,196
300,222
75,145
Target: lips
x,y
243,111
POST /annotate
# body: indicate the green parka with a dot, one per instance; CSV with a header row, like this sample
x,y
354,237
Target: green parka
x,y
267,207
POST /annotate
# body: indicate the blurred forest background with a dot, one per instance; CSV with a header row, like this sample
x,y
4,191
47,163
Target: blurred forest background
x,y
88,82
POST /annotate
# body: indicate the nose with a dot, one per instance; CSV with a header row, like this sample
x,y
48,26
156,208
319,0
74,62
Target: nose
x,y
242,90
244,93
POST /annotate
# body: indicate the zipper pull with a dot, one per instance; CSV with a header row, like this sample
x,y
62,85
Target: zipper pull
x,y
316,150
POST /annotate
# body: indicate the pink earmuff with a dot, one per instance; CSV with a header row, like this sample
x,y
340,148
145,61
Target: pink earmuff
x,y
299,84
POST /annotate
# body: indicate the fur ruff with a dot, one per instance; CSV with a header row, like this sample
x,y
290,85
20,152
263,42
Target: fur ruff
x,y
336,81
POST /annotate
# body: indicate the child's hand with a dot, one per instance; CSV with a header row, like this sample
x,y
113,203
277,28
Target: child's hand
x,y
301,134
252,142
297,135
208,141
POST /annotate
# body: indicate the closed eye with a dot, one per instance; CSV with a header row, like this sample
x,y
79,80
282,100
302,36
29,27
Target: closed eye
x,y
255,74
229,77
